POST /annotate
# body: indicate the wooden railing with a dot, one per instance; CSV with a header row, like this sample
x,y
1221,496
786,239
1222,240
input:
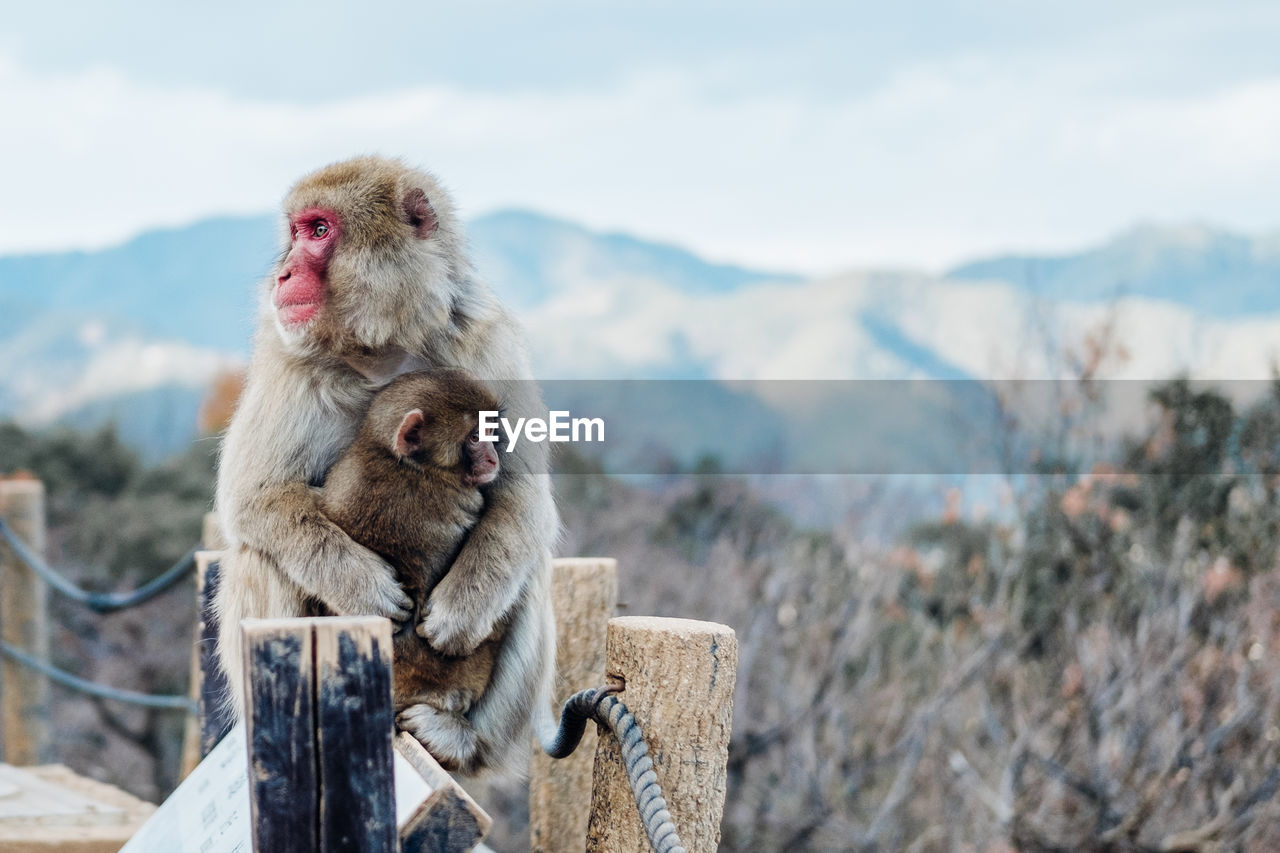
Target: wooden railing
x,y
320,730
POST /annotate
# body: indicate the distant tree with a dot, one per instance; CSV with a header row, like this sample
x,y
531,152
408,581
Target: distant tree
x,y
220,403
113,524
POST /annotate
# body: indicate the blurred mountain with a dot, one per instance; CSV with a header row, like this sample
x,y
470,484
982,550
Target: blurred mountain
x,y
197,283
1214,272
135,333
193,284
529,257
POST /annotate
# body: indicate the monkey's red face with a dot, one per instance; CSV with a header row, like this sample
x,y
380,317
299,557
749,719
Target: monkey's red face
x,y
367,273
300,290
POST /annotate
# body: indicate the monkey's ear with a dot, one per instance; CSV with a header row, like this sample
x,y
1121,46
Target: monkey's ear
x,y
418,210
409,435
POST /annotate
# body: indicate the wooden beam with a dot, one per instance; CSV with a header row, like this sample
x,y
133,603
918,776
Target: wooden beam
x,y
354,725
679,676
215,711
284,787
24,694
448,821
318,724
584,592
214,716
109,817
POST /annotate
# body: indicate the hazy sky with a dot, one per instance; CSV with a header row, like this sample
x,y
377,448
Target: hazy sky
x,y
810,136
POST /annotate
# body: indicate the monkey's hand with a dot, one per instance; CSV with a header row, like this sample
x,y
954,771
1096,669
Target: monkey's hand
x,y
450,631
365,585
491,572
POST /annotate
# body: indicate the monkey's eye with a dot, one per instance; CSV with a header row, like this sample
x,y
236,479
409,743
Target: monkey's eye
x,y
319,230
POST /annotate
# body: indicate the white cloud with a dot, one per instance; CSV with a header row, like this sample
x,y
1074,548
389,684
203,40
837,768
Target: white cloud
x,y
941,163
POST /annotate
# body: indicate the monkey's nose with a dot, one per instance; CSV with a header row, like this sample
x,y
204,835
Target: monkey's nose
x,y
284,276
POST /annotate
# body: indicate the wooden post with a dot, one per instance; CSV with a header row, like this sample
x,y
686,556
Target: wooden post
x,y
319,726
679,677
208,682
584,592
24,694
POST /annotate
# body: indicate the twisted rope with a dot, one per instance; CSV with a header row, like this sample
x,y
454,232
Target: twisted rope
x,y
75,682
99,602
601,705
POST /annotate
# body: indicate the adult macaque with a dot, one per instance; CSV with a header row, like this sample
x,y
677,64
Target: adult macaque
x,y
374,283
411,487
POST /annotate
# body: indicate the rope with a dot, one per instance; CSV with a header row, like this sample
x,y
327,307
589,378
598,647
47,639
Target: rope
x,y
601,705
99,602
75,682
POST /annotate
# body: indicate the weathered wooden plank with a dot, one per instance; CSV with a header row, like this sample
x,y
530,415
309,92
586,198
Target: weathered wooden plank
x,y
442,825
24,693
213,718
354,726
584,592
215,712
449,820
424,762
26,799
319,731
284,786
82,837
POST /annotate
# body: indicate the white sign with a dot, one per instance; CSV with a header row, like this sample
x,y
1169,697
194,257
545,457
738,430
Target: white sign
x,y
209,811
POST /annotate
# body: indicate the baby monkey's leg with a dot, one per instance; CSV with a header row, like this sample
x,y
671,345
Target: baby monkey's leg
x,y
447,735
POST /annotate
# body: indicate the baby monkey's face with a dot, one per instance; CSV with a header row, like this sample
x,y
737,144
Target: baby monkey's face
x,y
475,460
445,436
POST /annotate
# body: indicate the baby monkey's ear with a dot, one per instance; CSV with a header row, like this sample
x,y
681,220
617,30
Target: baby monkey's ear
x,y
408,440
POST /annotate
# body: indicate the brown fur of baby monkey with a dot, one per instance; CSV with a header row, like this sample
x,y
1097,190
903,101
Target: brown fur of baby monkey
x,y
411,487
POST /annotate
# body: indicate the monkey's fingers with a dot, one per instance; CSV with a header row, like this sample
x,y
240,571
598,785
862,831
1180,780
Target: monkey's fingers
x,y
446,631
382,592
401,609
377,596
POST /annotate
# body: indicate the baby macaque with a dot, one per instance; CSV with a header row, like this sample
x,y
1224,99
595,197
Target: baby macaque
x,y
411,487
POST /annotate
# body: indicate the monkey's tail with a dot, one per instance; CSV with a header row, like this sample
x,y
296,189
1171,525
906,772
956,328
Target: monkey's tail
x,y
600,704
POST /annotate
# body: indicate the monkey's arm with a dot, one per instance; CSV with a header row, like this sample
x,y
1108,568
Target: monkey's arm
x,y
490,573
276,445
509,543
286,523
